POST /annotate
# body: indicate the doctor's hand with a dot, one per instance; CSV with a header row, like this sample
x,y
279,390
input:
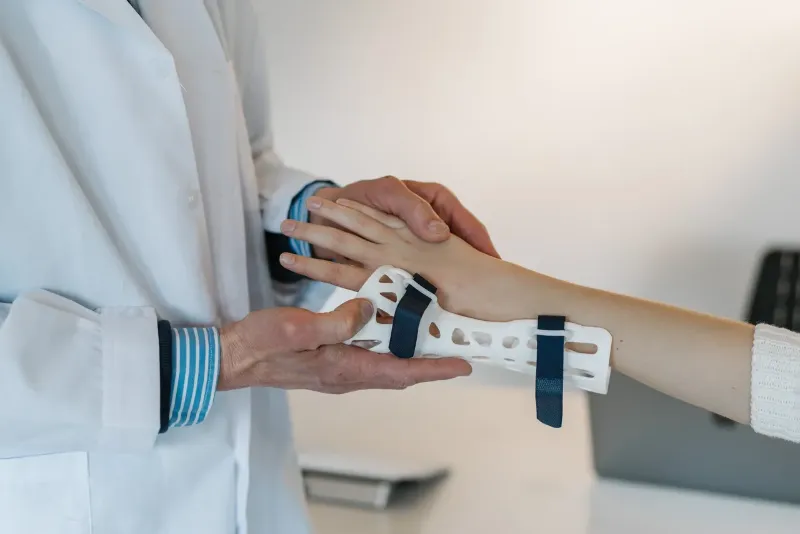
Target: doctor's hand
x,y
293,348
430,210
471,282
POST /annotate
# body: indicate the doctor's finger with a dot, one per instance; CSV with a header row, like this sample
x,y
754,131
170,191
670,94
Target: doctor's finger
x,y
350,219
386,371
345,276
389,220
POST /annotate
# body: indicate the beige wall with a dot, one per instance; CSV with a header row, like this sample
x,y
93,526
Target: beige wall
x,y
659,142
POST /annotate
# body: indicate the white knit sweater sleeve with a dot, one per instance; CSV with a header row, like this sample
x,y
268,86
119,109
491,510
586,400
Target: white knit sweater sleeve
x,y
775,383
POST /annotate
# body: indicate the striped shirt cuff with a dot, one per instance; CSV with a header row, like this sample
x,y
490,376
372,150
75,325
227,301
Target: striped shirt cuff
x,y
298,211
195,369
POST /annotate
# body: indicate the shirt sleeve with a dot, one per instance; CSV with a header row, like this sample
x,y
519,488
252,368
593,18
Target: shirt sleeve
x,y
775,383
298,211
195,370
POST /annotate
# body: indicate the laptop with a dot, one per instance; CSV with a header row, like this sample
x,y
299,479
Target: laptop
x,y
640,435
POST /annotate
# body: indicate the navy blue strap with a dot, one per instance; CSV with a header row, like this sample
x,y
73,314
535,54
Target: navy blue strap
x,y
407,317
550,372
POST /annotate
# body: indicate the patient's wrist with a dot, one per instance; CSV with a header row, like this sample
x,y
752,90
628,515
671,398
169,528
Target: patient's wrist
x,y
537,294
510,292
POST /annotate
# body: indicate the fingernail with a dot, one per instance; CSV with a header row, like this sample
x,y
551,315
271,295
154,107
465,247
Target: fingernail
x,y
288,226
366,310
287,259
437,227
314,203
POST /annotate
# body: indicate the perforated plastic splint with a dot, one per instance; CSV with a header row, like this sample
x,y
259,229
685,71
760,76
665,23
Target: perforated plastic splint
x,y
512,345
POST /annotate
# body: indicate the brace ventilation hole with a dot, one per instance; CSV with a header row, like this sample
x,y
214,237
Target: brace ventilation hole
x,y
482,338
511,360
531,363
459,337
383,317
366,343
582,348
390,296
510,343
386,280
434,331
480,358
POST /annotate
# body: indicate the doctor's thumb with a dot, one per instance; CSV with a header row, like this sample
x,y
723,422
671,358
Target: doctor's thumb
x,y
344,322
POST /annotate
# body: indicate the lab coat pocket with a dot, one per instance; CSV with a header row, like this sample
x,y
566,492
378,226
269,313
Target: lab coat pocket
x,y
45,494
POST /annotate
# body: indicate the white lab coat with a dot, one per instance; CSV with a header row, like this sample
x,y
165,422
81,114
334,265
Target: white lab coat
x,y
135,163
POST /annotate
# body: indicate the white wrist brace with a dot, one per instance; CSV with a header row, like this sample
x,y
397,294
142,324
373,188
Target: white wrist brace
x,y
419,327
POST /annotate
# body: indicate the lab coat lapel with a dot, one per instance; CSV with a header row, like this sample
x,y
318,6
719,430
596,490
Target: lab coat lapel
x,y
122,14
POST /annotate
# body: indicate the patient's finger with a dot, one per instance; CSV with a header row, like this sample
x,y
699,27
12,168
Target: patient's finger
x,y
344,276
332,239
351,219
389,220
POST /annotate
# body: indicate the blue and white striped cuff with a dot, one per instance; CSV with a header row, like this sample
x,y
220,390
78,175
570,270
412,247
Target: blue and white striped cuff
x,y
298,211
195,369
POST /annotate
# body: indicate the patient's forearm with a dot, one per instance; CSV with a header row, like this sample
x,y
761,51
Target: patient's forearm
x,y
699,359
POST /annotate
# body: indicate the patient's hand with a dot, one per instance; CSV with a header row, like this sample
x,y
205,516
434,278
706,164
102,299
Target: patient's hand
x,y
471,283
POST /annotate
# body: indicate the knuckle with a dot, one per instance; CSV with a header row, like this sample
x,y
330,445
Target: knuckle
x,y
295,328
405,379
332,272
338,323
289,328
329,379
302,265
373,256
390,181
443,195
338,240
403,382
337,269
348,325
442,189
335,370
325,374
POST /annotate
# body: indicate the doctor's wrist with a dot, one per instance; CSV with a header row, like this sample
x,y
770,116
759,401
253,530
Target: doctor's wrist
x,y
231,350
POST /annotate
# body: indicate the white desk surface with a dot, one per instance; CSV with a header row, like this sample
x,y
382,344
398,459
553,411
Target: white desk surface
x,y
510,474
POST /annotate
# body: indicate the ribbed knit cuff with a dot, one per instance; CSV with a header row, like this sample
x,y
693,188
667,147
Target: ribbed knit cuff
x,y
775,383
